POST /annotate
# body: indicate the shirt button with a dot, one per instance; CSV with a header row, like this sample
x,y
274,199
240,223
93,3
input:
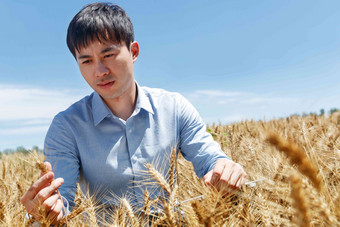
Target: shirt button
x,y
134,159
130,130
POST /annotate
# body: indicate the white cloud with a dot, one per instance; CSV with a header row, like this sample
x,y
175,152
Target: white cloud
x,y
23,102
217,93
232,106
227,97
26,112
24,130
40,121
257,100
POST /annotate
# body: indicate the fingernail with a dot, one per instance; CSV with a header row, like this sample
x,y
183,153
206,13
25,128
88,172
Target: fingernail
x,y
60,180
49,175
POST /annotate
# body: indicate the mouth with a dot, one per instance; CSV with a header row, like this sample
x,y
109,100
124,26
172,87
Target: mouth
x,y
106,85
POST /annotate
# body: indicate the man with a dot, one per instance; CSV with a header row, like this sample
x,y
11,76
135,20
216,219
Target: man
x,y
105,139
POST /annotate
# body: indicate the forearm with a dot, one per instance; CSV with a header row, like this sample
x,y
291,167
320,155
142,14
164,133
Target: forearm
x,y
60,149
197,145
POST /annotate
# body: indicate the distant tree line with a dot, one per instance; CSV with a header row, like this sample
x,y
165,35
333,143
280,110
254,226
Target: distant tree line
x,y
20,149
321,113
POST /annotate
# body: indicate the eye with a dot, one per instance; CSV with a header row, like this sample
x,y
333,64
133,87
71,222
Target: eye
x,y
86,62
108,55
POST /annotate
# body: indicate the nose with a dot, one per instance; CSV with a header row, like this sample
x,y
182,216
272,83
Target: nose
x,y
101,69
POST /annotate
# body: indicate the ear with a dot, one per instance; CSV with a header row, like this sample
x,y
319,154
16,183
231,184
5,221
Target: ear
x,y
134,47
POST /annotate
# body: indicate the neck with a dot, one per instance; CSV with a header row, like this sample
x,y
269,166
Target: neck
x,y
124,105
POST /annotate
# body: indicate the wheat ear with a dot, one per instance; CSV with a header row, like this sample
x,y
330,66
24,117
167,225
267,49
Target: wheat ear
x,y
146,209
169,212
297,157
130,213
172,169
159,178
300,203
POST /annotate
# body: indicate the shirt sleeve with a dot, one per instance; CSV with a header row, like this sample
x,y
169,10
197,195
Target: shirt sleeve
x,y
196,144
60,150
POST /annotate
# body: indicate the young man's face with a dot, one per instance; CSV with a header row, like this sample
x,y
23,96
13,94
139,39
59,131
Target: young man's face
x,y
108,67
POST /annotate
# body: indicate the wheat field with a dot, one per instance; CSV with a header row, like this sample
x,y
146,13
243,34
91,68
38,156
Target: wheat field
x,y
299,158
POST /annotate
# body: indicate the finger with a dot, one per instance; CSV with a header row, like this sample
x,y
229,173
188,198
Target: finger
x,y
36,187
226,175
235,175
207,177
217,171
58,218
223,183
242,179
56,213
48,167
46,192
50,201
239,183
46,206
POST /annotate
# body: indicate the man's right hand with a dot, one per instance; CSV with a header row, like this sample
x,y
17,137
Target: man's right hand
x,y
43,194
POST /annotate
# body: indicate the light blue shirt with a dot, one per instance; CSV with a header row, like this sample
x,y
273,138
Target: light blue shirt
x,y
107,154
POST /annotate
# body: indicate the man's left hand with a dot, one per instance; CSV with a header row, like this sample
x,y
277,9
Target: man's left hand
x,y
227,176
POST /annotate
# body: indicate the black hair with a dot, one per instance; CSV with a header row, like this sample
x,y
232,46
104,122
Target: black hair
x,y
104,22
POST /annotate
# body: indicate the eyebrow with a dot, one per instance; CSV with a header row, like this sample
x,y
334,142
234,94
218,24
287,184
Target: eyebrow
x,y
107,49
84,56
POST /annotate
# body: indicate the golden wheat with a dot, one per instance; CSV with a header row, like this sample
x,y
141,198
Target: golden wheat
x,y
290,191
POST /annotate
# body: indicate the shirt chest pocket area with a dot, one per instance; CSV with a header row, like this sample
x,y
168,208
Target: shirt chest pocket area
x,y
156,153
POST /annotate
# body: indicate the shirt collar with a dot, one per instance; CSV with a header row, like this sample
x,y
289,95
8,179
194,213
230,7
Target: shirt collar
x,y
100,109
143,101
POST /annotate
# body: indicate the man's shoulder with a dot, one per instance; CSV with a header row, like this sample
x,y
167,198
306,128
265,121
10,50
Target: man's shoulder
x,y
79,107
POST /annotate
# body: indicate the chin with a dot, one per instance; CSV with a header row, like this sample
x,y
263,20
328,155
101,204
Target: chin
x,y
109,96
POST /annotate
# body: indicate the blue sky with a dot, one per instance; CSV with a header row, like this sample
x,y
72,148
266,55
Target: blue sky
x,y
234,60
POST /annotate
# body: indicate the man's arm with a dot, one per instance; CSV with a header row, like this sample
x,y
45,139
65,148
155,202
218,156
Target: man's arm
x,y
60,149
198,146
